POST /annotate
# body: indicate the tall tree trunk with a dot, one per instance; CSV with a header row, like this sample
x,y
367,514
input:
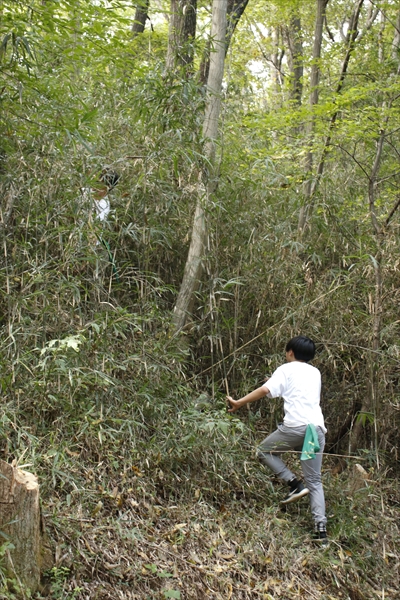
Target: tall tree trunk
x,y
370,401
295,59
141,16
314,94
315,66
277,62
312,182
350,40
396,40
182,32
370,404
194,263
235,10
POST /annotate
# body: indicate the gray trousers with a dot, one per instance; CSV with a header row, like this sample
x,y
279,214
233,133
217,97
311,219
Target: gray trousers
x,y
292,438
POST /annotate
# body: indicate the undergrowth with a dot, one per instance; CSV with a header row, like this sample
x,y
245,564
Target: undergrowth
x,y
126,536
149,488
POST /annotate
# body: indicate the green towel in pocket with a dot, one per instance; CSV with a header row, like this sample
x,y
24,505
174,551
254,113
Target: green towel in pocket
x,y
310,444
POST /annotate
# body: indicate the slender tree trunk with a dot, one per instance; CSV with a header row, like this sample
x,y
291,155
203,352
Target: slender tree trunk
x,y
396,40
351,39
370,404
381,38
315,66
312,182
141,16
314,94
295,59
194,263
277,62
182,32
235,10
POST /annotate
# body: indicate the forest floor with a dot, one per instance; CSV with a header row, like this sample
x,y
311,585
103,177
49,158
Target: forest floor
x,y
140,542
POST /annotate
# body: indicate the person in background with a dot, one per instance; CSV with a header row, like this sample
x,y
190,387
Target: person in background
x,y
97,200
107,182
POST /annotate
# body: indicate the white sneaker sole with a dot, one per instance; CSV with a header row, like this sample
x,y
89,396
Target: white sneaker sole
x,y
295,497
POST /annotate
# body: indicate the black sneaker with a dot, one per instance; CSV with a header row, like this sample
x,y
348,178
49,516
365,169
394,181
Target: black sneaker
x,y
320,535
297,490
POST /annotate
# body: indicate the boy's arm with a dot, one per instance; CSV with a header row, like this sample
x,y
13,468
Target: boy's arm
x,y
252,397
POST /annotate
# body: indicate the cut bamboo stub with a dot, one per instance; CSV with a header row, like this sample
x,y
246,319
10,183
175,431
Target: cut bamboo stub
x,y
359,480
20,525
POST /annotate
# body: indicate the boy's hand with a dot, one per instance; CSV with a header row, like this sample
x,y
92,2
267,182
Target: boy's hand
x,y
252,397
234,404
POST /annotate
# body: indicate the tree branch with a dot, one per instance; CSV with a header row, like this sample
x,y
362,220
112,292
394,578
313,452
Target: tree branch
x,y
351,41
390,215
355,160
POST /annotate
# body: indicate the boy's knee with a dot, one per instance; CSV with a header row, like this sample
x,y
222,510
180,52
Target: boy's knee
x,y
261,455
264,456
313,479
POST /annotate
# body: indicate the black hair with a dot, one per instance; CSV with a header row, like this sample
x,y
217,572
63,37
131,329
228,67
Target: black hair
x,y
110,178
303,348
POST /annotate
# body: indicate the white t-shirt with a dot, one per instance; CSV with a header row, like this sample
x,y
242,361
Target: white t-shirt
x,y
102,208
299,384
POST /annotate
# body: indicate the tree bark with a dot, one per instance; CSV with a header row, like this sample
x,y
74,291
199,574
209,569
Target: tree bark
x,y
194,263
396,40
278,55
314,95
315,66
370,405
351,39
312,183
370,402
182,32
20,523
295,59
235,9
141,16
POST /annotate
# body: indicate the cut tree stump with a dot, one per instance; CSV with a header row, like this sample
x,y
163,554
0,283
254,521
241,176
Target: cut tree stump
x,y
20,524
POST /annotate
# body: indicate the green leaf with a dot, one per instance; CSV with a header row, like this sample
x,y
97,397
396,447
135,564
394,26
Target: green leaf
x,y
152,567
365,417
172,594
165,574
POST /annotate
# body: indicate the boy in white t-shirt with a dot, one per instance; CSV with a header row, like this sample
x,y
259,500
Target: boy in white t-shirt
x,y
299,384
107,182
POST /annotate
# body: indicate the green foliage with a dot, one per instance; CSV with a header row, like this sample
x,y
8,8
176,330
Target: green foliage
x,y
11,588
172,594
97,396
71,129
58,577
